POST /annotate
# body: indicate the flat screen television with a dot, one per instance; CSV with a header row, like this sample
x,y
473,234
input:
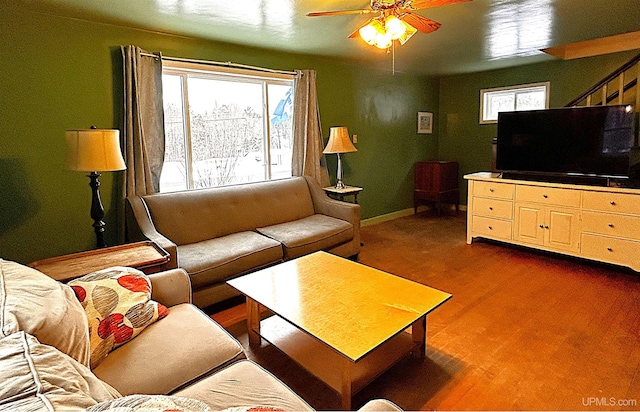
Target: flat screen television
x,y
567,143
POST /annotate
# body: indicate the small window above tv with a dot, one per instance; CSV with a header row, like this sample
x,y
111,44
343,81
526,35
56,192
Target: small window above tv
x,y
513,98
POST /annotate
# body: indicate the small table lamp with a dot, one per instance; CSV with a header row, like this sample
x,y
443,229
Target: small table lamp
x,y
339,142
95,150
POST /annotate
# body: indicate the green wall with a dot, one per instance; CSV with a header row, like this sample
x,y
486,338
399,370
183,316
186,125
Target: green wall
x,y
60,73
382,110
463,138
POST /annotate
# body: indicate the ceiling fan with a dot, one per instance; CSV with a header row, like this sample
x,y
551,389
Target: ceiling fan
x,y
394,20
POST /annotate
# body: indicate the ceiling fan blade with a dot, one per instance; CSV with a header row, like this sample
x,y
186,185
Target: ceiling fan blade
x,y
339,12
420,23
357,31
425,4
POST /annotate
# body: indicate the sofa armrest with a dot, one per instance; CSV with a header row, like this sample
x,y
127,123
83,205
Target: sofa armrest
x,y
141,227
325,205
171,287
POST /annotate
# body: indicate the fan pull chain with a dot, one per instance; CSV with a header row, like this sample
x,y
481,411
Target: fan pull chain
x,y
393,58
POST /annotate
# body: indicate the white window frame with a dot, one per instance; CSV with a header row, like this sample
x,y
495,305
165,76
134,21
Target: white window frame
x,y
486,94
184,69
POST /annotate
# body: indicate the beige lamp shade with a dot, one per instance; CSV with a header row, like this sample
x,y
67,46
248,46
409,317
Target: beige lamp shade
x,y
94,150
339,141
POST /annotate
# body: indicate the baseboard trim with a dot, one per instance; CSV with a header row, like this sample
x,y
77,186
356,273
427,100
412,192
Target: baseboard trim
x,y
394,215
386,217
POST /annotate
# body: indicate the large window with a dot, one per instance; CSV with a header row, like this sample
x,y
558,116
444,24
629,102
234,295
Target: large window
x,y
515,98
225,127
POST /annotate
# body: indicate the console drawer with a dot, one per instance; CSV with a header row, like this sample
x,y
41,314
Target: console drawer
x,y
493,228
501,209
611,225
611,250
611,202
494,190
548,196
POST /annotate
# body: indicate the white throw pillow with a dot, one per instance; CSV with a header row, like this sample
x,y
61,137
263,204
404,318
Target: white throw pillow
x,y
33,302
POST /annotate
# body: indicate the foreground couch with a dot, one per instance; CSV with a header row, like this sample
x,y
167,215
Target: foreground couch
x,y
219,233
184,361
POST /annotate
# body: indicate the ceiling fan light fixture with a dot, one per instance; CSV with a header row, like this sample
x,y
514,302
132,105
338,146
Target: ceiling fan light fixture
x,y
370,31
381,33
383,40
390,24
409,31
395,27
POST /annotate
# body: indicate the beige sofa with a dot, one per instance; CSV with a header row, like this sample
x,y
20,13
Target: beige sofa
x,y
220,233
186,358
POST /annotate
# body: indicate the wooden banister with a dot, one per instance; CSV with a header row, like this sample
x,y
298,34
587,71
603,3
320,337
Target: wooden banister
x,y
602,83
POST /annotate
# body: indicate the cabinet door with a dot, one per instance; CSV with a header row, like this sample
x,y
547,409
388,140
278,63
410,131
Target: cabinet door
x,y
529,224
562,229
426,177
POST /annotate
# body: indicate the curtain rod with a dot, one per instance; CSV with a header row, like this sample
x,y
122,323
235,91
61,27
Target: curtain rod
x,y
215,63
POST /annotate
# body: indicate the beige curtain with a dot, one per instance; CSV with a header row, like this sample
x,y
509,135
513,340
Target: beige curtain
x,y
143,131
308,159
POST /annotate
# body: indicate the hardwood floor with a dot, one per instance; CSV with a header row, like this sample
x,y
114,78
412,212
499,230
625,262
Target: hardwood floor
x,y
524,330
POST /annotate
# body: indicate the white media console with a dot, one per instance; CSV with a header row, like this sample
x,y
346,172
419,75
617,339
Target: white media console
x,y
591,222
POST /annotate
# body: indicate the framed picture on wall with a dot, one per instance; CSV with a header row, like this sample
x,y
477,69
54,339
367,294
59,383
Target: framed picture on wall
x,y
425,122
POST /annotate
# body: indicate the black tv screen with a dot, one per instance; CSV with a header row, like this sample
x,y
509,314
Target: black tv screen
x,y
592,140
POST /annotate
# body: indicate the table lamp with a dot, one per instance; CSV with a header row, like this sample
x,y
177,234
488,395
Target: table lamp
x,y
339,142
94,151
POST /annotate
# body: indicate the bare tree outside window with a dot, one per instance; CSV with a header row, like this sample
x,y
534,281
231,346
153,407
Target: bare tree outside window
x,y
513,98
225,139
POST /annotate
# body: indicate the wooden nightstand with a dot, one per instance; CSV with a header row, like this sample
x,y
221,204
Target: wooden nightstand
x,y
340,194
436,182
145,256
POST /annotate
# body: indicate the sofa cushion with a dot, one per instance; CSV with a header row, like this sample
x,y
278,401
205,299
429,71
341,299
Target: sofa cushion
x,y
195,215
31,301
380,405
151,403
118,305
192,345
216,260
310,234
244,383
37,377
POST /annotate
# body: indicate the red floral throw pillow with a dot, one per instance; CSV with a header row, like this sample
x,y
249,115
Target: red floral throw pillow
x,y
118,305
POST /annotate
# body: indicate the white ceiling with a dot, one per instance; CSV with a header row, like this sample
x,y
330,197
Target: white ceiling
x,y
476,35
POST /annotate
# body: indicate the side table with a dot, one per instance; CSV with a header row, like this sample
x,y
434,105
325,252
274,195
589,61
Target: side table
x,y
436,182
145,256
340,194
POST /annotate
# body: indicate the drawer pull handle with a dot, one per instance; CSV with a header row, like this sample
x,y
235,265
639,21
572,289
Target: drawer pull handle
x,y
612,203
610,225
545,196
491,189
490,208
490,228
609,249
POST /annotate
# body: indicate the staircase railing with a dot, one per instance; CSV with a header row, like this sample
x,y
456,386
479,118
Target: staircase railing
x,y
620,87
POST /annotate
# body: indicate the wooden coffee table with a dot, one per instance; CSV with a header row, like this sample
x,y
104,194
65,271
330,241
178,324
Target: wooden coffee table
x,y
342,321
